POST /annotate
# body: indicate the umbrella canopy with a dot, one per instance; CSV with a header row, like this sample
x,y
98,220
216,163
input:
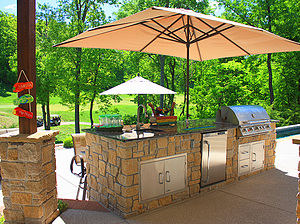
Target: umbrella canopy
x,y
182,33
138,85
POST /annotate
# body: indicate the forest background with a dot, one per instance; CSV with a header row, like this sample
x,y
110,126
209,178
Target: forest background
x,y
73,78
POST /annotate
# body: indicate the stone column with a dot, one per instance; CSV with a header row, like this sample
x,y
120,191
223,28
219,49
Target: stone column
x,y
29,179
297,141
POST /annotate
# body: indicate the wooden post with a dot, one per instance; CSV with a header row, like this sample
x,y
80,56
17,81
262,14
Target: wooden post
x,y
26,59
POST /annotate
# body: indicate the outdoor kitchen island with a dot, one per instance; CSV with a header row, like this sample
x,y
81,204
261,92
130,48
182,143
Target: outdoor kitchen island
x,y
134,172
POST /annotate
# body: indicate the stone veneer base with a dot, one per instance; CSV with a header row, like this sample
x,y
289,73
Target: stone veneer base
x,y
112,167
29,179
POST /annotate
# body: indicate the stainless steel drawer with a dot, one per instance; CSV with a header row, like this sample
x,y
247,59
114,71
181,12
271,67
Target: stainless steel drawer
x,y
244,166
244,151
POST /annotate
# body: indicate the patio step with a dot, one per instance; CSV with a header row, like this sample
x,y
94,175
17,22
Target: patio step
x,y
85,205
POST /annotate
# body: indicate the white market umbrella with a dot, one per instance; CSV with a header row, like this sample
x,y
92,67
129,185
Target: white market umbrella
x,y
138,85
182,33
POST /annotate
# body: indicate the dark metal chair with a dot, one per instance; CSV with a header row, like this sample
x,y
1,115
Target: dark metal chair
x,y
82,174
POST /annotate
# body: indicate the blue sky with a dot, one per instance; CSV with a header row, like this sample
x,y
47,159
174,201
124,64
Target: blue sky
x,y
10,6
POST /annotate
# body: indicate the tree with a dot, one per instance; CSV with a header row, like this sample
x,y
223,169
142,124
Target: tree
x,y
8,40
48,58
81,14
131,7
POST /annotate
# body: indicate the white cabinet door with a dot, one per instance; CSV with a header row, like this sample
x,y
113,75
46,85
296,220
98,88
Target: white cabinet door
x,y
257,156
175,174
152,180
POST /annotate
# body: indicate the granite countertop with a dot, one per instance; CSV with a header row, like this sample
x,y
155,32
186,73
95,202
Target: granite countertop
x,y
153,131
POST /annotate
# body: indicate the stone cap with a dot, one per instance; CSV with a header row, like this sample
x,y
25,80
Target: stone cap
x,y
37,136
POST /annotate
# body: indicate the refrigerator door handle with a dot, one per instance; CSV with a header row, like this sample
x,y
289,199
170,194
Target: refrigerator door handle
x,y
208,152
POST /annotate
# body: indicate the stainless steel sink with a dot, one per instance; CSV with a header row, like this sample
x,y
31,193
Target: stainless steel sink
x,y
151,130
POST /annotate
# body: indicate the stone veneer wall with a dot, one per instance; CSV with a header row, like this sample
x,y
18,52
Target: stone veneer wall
x,y
298,195
112,167
113,170
29,179
232,155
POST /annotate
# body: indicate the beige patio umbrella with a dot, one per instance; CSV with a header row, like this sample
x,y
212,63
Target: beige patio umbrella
x,y
182,33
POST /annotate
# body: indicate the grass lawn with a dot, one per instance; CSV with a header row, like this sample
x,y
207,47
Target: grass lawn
x,y
126,106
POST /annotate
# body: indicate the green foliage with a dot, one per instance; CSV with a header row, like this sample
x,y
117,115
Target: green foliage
x,y
62,206
129,119
65,131
8,40
69,76
68,142
2,219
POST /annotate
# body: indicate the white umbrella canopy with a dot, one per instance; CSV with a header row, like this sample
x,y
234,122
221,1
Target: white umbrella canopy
x,y
138,85
182,33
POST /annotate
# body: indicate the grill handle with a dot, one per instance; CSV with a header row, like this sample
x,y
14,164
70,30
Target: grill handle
x,y
257,121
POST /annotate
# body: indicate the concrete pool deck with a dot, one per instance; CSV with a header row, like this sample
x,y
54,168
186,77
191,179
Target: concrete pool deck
x,y
269,197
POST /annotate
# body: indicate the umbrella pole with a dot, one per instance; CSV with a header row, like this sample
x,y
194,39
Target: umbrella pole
x,y
187,84
187,71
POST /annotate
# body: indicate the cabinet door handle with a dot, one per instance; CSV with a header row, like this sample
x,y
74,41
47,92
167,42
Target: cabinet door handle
x,y
168,176
244,166
254,160
208,152
244,152
161,178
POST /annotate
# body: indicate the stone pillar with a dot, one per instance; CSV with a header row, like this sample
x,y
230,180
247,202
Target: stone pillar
x,y
297,141
298,195
29,179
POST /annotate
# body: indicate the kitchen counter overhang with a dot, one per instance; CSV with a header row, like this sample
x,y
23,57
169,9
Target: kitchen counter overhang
x,y
149,131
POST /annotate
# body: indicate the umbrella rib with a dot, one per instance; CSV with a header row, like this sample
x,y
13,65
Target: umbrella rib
x,y
124,25
207,35
178,39
197,43
160,33
171,32
219,32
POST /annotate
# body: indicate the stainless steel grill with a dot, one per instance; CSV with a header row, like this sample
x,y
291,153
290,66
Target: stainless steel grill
x,y
251,119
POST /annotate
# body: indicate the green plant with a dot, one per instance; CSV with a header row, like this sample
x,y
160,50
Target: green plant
x,y
68,142
62,206
2,219
129,119
65,131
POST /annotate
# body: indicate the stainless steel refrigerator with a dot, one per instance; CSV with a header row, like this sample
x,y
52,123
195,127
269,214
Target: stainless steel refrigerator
x,y
213,162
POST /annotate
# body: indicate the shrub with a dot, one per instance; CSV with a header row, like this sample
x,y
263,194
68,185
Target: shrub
x,y
132,119
62,206
2,219
68,142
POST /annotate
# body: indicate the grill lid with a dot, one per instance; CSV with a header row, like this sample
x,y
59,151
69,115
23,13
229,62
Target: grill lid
x,y
242,114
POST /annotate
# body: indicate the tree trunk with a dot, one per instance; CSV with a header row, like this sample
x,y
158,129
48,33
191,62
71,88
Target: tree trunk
x,y
77,90
48,115
44,116
172,68
270,79
299,90
162,74
91,109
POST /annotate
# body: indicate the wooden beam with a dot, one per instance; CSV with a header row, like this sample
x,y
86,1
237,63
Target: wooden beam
x,y
26,59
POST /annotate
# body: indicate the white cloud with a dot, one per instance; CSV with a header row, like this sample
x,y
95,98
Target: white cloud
x,y
12,8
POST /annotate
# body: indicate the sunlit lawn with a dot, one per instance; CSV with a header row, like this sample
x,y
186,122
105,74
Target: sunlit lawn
x,y
126,106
